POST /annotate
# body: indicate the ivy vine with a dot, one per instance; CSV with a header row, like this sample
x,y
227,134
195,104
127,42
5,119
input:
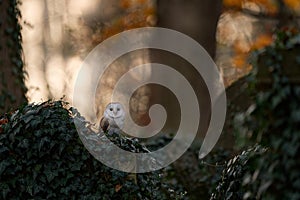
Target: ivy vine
x,y
12,68
270,170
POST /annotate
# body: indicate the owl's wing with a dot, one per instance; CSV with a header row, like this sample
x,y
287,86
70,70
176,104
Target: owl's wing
x,y
104,123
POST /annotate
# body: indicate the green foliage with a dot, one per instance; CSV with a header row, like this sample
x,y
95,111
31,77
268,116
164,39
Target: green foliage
x,y
197,177
236,175
273,121
42,157
211,169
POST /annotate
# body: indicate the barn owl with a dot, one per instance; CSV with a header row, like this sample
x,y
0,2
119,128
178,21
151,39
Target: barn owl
x,y
113,117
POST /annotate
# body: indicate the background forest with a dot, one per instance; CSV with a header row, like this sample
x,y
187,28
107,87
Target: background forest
x,y
254,43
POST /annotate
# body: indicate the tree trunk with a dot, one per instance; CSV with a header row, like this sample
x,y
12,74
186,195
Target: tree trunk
x,y
12,88
197,19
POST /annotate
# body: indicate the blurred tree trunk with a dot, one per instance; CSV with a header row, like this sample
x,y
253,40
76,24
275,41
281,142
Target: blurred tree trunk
x,y
12,88
197,19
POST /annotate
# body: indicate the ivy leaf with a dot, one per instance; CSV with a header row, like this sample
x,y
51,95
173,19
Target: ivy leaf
x,y
3,166
3,149
56,165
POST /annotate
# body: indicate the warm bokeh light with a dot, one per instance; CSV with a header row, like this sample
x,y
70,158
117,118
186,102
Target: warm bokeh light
x,y
262,41
293,5
138,13
62,33
233,3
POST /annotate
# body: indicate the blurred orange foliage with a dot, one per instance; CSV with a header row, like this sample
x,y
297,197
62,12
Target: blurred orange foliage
x,y
267,6
241,54
149,11
142,13
262,41
137,13
239,47
141,1
293,4
239,60
125,4
114,29
233,3
270,6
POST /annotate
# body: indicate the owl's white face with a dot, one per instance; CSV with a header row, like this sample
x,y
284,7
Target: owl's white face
x,y
114,110
115,114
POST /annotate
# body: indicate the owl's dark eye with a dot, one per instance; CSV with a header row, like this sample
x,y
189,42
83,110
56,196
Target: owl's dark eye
x,y
118,109
111,109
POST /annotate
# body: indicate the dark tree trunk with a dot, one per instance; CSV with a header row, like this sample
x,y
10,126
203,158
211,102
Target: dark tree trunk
x,y
197,19
12,88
